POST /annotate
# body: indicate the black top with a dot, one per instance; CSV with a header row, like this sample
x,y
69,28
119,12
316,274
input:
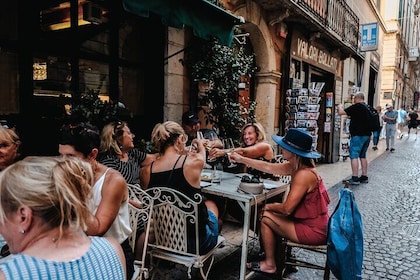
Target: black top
x,y
175,179
359,119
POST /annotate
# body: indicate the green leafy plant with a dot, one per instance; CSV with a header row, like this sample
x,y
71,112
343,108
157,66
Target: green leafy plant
x,y
223,67
90,108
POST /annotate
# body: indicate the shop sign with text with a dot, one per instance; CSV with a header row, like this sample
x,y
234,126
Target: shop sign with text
x,y
315,55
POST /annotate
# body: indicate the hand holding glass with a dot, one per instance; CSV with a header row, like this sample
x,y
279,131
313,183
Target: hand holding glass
x,y
229,147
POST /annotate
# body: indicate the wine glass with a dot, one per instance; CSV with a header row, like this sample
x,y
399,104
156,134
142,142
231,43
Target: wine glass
x,y
200,135
229,146
209,146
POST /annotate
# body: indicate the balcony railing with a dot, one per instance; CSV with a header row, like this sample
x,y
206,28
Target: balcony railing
x,y
336,16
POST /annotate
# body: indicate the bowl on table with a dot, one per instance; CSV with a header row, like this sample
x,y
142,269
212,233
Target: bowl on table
x,y
251,185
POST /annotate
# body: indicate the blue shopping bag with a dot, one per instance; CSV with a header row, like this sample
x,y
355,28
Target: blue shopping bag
x,y
345,238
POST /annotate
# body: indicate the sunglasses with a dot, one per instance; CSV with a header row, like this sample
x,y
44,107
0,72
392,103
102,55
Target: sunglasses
x,y
118,127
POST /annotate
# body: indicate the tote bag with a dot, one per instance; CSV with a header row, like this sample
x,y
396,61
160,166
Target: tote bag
x,y
345,238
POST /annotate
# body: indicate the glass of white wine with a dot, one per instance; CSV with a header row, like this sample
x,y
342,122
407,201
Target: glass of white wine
x,y
209,146
229,146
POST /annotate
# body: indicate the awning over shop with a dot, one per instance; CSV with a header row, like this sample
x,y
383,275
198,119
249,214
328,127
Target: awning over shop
x,y
205,18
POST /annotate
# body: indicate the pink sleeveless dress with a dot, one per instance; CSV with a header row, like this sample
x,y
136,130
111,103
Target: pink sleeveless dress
x,y
311,216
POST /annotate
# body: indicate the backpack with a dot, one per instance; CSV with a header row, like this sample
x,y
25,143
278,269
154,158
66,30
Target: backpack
x,y
345,239
373,118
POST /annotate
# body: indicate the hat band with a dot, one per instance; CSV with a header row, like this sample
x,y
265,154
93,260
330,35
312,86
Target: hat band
x,y
295,146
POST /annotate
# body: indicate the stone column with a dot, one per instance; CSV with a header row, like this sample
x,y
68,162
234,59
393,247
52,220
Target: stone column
x,y
266,88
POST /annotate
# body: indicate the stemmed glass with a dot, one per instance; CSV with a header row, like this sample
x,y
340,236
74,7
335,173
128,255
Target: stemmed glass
x,y
200,135
209,146
229,146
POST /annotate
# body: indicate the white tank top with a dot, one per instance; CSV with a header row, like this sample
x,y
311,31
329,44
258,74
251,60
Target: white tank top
x,y
120,228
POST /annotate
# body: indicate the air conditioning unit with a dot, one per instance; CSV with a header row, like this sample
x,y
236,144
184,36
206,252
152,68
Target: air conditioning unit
x,y
93,13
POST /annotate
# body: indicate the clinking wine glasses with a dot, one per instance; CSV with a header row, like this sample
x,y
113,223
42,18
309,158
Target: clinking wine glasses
x,y
229,147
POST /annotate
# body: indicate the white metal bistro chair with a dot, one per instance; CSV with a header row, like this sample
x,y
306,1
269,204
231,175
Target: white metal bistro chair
x,y
174,214
140,210
282,178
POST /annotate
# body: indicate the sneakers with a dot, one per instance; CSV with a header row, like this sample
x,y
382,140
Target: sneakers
x,y
374,148
354,181
392,150
387,149
363,179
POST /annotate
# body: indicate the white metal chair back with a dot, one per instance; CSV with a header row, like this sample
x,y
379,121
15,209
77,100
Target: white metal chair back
x,y
174,215
282,178
140,210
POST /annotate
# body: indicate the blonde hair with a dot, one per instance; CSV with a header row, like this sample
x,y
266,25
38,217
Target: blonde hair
x,y
165,134
8,136
259,129
57,190
110,136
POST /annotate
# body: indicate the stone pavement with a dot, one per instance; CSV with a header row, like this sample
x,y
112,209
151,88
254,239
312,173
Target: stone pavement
x,y
390,208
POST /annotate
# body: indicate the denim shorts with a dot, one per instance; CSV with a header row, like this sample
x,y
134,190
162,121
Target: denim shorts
x,y
359,146
208,238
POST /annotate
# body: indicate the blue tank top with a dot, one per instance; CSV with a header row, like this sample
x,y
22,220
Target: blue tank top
x,y
101,261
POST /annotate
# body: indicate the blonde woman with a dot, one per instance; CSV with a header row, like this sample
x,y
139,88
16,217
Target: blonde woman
x,y
9,147
118,152
253,144
174,168
43,217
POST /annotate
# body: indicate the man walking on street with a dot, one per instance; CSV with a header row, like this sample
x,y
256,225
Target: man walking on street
x,y
390,117
360,136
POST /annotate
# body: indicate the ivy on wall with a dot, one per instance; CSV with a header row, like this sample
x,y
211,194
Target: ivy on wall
x,y
210,61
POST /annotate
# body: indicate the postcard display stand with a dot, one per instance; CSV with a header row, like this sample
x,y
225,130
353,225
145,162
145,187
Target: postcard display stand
x,y
302,109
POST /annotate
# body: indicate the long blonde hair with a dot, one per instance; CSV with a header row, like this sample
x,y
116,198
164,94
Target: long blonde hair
x,y
110,137
57,189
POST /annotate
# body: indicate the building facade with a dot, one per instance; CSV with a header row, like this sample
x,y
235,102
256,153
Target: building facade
x,y
310,55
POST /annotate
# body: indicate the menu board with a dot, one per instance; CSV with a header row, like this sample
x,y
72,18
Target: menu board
x,y
302,109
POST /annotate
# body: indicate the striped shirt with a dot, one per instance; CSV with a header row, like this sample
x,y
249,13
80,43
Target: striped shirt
x,y
129,169
101,261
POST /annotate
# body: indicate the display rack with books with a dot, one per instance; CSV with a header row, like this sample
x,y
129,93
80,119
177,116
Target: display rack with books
x,y
302,109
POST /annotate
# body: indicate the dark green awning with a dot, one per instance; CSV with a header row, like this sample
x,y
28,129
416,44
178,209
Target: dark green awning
x,y
205,18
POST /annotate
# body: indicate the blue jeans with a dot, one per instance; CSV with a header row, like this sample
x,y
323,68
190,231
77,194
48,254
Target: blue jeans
x,y
208,238
359,146
376,135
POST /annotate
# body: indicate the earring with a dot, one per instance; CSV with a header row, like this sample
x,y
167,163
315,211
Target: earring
x,y
22,231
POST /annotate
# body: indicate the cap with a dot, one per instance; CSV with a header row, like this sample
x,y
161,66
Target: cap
x,y
387,106
190,118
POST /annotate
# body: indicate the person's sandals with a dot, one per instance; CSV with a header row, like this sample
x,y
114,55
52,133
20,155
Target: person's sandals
x,y
255,266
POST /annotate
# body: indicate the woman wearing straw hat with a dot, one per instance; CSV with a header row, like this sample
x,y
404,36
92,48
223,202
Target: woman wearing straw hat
x,y
303,217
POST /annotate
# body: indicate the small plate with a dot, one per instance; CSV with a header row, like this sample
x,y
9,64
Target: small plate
x,y
206,176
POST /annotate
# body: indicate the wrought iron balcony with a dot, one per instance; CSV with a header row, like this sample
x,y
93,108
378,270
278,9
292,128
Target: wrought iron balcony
x,y
333,18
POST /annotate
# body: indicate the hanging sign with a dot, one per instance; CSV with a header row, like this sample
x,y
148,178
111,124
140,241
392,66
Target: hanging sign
x,y
369,37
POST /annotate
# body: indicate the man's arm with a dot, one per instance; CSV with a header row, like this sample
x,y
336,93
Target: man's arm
x,y
340,110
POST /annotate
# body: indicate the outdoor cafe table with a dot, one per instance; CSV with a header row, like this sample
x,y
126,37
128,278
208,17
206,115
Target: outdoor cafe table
x,y
228,188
